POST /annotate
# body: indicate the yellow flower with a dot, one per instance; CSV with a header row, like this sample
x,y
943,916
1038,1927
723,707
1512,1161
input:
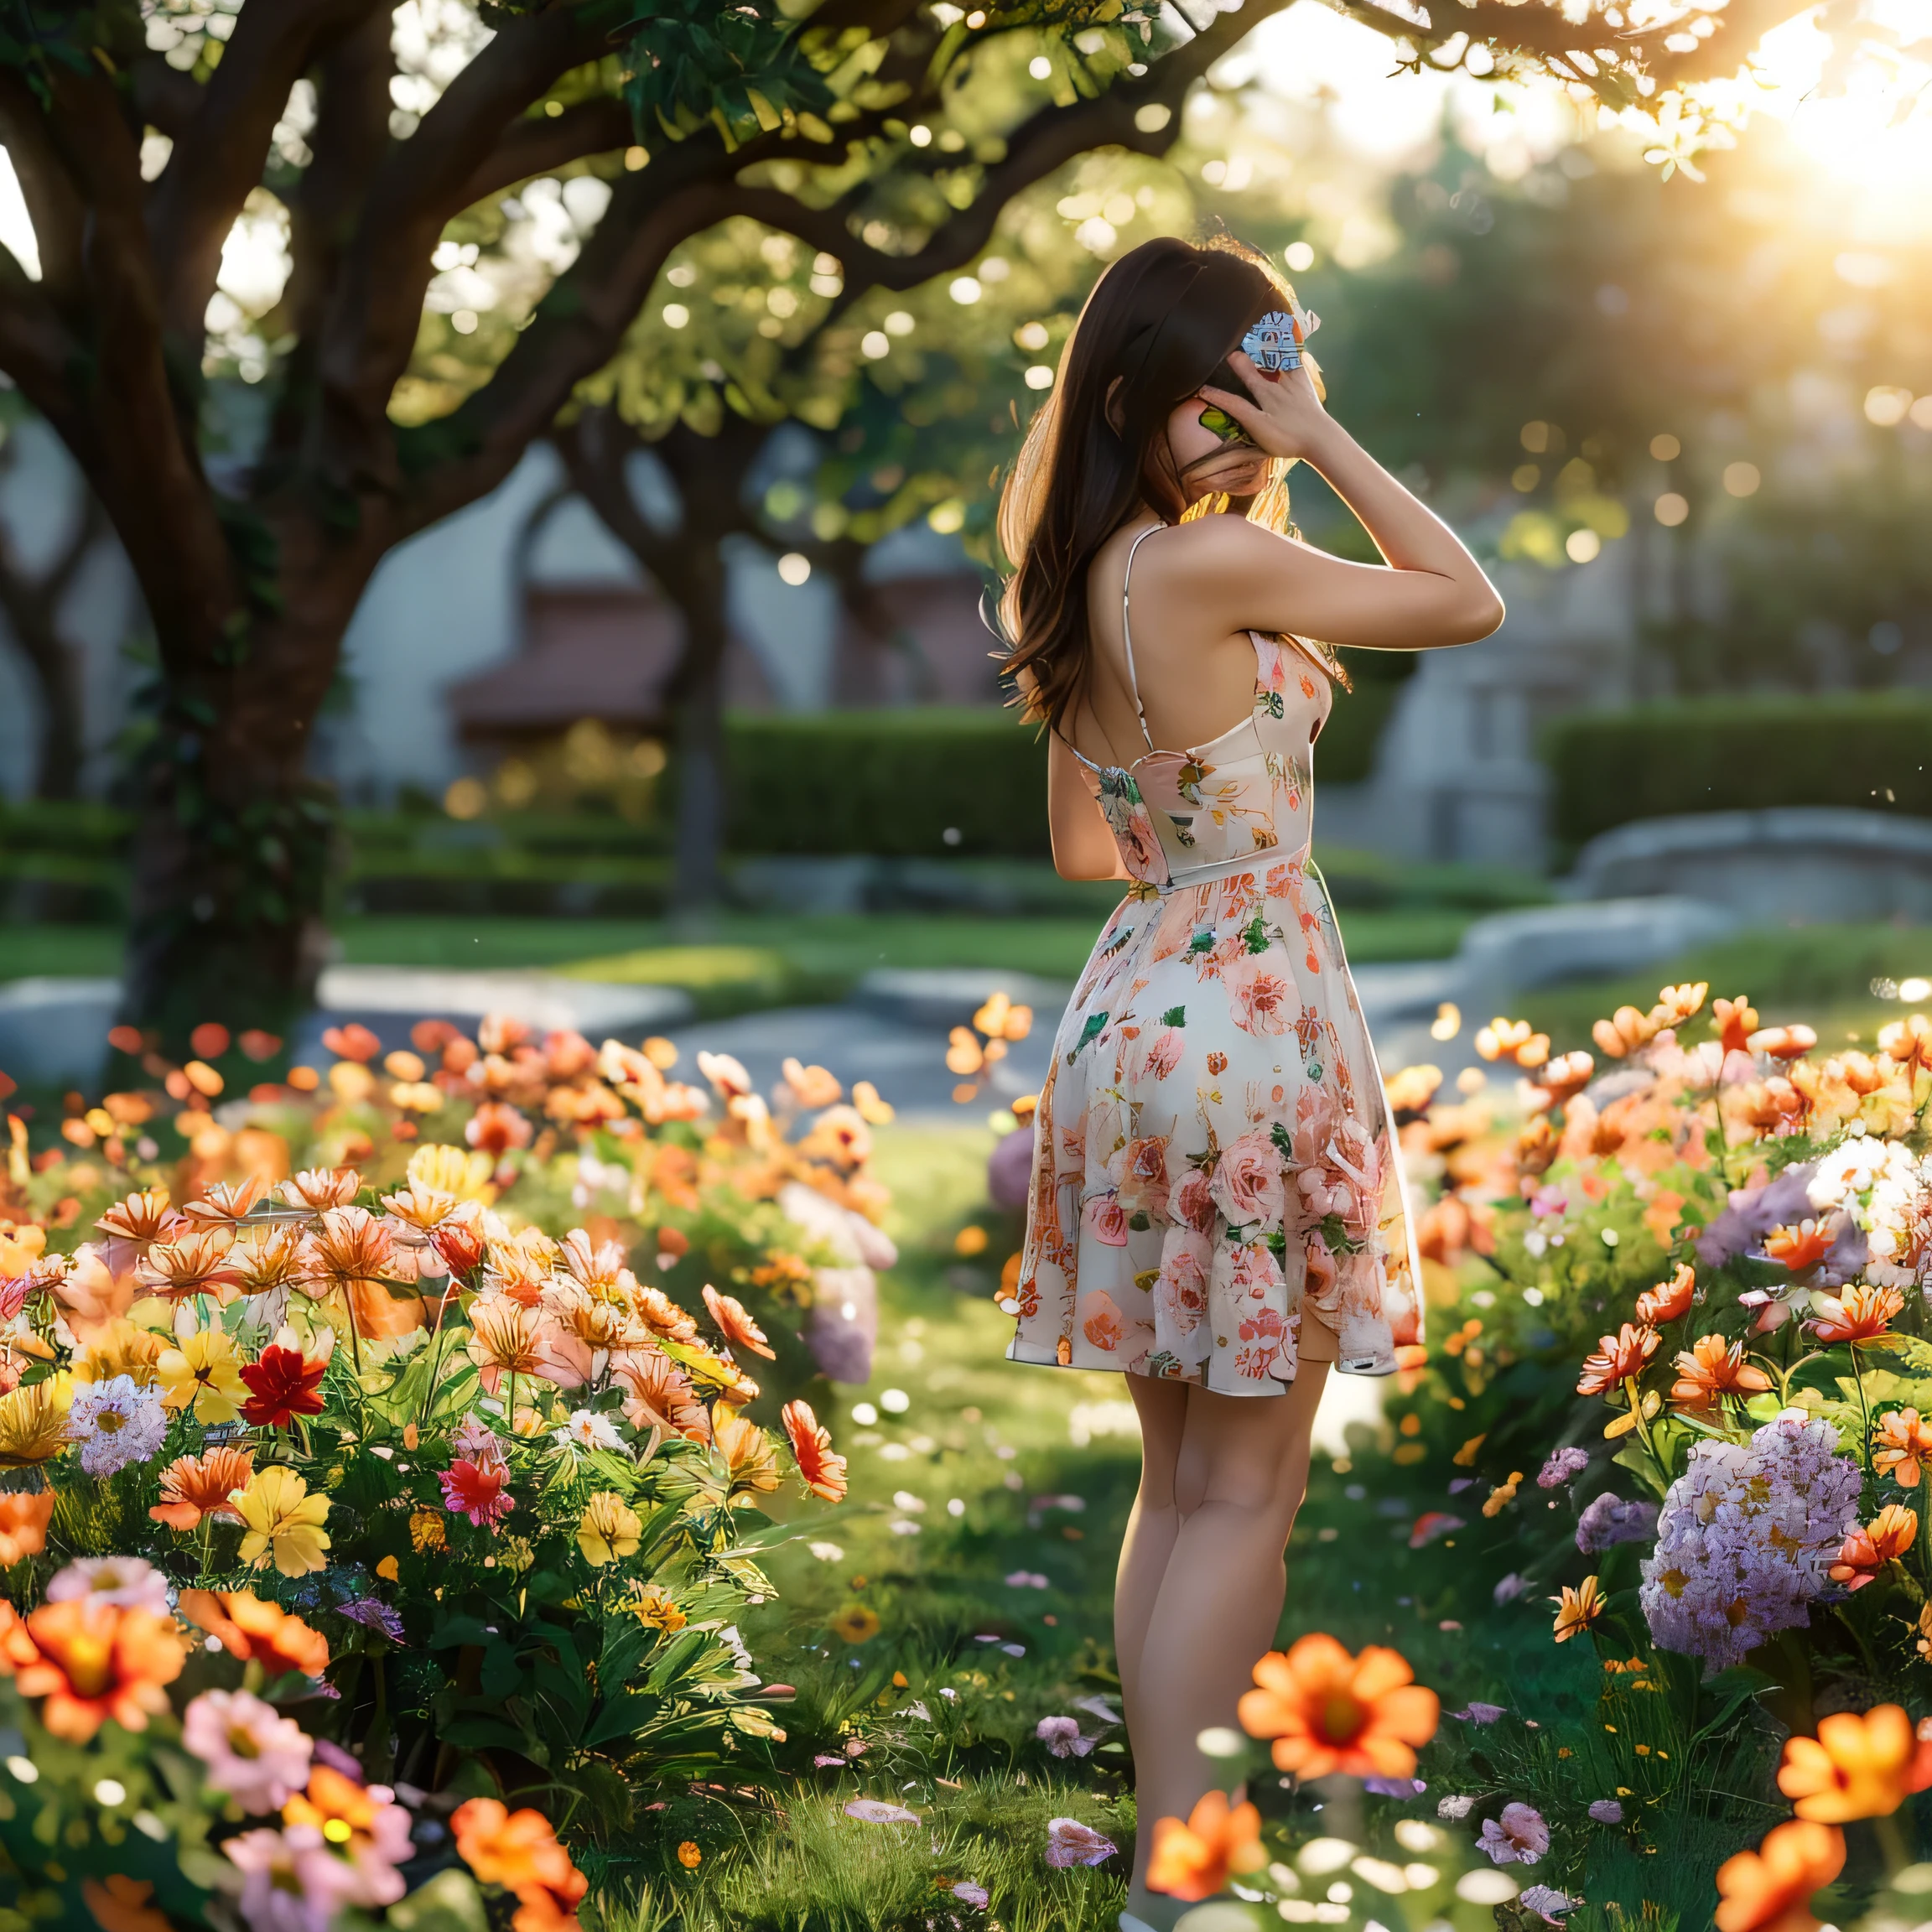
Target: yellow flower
x,y
34,1422
855,1623
749,1452
462,1171
426,1531
283,1521
388,1569
654,1607
608,1529
1577,1609
203,1369
119,1347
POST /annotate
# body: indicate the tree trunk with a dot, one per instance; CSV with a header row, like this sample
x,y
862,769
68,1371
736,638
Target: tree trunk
x,y
696,702
57,672
233,839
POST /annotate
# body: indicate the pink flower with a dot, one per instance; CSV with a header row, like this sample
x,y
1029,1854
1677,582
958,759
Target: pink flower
x,y
479,1489
259,1757
1193,1202
1070,1842
1519,1837
1140,846
125,1582
1061,1736
1107,1220
1181,1290
289,1882
1247,1183
1264,1000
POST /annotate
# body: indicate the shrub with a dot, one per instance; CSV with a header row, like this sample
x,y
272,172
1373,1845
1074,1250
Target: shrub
x,y
1865,749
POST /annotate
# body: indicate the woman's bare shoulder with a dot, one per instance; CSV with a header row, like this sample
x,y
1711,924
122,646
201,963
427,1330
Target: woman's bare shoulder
x,y
1207,547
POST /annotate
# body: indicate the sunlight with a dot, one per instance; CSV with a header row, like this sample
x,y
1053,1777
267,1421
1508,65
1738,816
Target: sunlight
x,y
16,224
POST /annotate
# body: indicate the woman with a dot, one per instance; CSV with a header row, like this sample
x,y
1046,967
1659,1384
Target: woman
x,y
1216,1207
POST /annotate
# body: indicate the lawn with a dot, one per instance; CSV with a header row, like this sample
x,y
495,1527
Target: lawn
x,y
963,1593
734,962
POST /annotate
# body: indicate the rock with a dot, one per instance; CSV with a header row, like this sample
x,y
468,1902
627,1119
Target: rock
x,y
950,997
1588,939
1815,862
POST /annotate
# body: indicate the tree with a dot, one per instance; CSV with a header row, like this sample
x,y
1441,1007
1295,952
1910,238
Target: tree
x,y
34,597
145,137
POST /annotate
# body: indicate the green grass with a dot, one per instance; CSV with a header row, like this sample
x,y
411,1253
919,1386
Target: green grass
x,y
736,960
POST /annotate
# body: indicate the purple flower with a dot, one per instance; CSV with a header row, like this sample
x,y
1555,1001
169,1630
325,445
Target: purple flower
x,y
1754,1212
1394,1787
1606,1811
375,1614
1610,1519
1746,1537
1547,1902
1563,1464
826,1762
1061,1736
1070,1842
1509,1589
1481,1713
1519,1837
968,1893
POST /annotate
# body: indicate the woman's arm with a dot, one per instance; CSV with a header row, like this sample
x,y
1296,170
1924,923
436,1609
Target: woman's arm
x,y
1431,593
1082,846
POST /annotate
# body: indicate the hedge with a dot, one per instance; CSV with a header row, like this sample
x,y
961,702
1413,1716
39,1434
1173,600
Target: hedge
x,y
892,783
1866,749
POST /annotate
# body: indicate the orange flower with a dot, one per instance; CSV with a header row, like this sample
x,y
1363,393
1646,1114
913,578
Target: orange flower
x,y
505,1338
1869,1547
1328,1712
1619,1356
196,1264
23,1521
1624,1031
1769,1889
193,1487
1669,1301
518,1850
1860,1765
1736,1020
347,1248
96,1661
747,1449
823,1474
1902,1447
1861,1314
1577,1609
1804,1246
661,1395
252,1629
119,1903
735,1324
1512,1039
141,1219
316,1188
226,1202
1194,1861
1712,1368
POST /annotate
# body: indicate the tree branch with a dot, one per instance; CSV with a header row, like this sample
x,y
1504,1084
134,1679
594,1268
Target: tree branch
x,y
36,348
376,308
219,157
530,146
53,202
164,98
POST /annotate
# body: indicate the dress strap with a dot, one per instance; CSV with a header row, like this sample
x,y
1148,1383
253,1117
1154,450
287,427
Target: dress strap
x,y
1127,633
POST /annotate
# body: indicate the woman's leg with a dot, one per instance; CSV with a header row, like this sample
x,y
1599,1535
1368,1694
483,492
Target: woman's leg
x,y
1240,1477
1152,1529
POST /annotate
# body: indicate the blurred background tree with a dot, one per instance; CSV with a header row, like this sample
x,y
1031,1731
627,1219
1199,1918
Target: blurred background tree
x,y
366,158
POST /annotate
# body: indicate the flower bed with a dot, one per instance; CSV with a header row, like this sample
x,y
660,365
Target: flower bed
x,y
348,1495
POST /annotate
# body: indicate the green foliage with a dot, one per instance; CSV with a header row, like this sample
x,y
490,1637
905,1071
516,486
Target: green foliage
x,y
1712,755
894,783
740,68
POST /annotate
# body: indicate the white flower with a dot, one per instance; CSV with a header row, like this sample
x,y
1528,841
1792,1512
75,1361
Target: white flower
x,y
1455,1806
827,1552
587,1429
115,1422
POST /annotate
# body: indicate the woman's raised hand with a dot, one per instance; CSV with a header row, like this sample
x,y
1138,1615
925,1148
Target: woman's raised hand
x,y
1283,418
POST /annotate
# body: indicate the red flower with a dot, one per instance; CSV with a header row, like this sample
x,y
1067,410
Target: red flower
x,y
283,1383
495,1127
476,1486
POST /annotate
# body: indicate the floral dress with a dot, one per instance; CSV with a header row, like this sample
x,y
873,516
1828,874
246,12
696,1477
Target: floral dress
x,y
1213,1160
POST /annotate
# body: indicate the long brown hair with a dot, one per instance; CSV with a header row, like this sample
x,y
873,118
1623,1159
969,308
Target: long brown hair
x,y
1164,319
